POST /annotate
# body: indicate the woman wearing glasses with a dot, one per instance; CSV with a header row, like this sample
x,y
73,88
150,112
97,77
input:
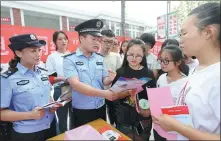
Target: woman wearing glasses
x,y
173,64
134,66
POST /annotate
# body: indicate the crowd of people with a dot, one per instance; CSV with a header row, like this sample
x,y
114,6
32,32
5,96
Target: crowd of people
x,y
193,63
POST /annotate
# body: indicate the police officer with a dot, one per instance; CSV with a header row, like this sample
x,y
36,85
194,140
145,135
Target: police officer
x,y
86,74
24,88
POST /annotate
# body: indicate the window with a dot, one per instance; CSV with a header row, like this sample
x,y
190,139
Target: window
x,y
112,27
117,32
42,20
118,25
5,15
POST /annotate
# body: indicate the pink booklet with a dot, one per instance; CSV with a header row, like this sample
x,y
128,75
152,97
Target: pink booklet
x,y
158,98
85,132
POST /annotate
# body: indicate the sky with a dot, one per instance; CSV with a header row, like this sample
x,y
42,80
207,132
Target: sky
x,y
144,11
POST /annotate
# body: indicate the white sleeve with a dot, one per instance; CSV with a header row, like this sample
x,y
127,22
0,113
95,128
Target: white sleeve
x,y
50,65
161,80
119,62
214,98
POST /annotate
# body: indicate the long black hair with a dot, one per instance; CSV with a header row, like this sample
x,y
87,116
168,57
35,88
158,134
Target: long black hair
x,y
55,37
177,55
14,61
132,43
121,51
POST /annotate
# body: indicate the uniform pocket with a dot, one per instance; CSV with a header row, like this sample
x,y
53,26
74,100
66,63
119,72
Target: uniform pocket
x,y
99,71
82,73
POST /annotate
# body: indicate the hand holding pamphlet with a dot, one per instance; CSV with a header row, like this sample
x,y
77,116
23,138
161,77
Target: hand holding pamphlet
x,y
180,113
65,97
124,84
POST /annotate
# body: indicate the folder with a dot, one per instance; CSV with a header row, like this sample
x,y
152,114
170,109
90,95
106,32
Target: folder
x,y
85,132
158,98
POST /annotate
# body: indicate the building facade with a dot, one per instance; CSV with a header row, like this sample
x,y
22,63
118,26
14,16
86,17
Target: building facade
x,y
46,15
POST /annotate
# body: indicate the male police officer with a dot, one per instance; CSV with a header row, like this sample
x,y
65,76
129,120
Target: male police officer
x,y
86,74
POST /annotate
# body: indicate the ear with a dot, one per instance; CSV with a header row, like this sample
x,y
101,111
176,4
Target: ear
x,y
18,53
82,38
210,31
178,63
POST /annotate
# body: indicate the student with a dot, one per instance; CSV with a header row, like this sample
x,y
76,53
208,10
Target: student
x,y
54,63
116,45
171,59
86,73
112,61
134,66
152,63
200,37
166,43
123,49
25,87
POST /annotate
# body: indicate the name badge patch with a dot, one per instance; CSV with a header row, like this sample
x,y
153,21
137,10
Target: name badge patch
x,y
23,82
99,63
79,63
44,78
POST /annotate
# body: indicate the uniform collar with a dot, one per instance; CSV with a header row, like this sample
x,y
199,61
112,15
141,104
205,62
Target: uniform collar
x,y
22,69
80,53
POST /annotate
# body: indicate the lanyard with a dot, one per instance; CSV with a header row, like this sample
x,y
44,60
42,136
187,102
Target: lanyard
x,y
182,95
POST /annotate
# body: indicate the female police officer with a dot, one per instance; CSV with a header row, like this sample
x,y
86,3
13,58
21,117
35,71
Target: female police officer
x,y
24,88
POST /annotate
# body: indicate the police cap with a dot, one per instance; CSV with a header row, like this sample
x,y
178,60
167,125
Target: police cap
x,y
91,27
22,41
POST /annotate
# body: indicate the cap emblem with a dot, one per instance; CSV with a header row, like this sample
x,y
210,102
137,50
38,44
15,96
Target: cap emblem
x,y
33,37
98,24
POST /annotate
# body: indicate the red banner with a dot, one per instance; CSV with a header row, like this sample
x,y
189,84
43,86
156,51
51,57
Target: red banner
x,y
8,31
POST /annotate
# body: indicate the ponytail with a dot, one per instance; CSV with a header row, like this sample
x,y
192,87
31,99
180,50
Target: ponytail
x,y
13,62
184,68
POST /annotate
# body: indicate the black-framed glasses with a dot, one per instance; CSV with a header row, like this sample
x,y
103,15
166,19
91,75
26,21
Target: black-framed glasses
x,y
165,62
109,42
133,56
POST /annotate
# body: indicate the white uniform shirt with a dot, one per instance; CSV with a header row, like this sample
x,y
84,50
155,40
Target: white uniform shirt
x,y
112,62
203,98
193,65
152,62
175,87
54,63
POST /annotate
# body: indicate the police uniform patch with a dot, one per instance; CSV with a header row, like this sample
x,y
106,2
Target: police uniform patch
x,y
44,78
99,63
79,63
23,82
42,69
9,73
99,54
69,54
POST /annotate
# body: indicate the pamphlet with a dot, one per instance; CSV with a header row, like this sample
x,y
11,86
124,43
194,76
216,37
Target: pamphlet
x,y
124,84
180,113
64,98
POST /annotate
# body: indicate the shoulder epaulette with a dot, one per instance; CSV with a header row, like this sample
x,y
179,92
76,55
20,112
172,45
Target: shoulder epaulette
x,y
69,54
99,54
9,73
42,68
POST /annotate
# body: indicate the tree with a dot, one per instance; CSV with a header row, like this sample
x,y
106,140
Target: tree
x,y
185,7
